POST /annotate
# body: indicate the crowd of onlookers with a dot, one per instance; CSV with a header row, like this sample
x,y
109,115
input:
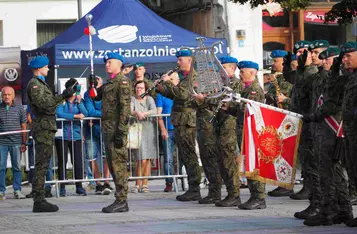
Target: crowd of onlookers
x,y
83,142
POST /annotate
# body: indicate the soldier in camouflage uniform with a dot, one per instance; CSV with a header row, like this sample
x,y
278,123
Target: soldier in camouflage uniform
x,y
327,100
253,91
349,111
140,70
301,103
284,95
43,105
115,96
226,139
183,117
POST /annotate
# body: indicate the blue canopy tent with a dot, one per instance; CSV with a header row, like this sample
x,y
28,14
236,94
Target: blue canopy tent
x,y
124,26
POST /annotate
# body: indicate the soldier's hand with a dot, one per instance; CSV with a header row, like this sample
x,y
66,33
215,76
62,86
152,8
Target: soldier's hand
x,y
118,141
281,98
67,93
337,61
165,77
199,97
302,60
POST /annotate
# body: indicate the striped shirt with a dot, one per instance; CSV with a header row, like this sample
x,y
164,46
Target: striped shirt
x,y
11,119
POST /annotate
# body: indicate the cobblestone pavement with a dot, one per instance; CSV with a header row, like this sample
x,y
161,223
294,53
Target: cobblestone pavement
x,y
155,212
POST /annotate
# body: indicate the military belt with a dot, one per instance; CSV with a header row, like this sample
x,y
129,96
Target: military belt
x,y
183,109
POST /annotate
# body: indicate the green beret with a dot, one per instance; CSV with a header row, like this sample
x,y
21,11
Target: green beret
x,y
330,52
301,44
137,65
39,62
319,44
349,47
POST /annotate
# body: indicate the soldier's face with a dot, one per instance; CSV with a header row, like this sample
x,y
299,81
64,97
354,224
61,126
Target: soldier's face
x,y
327,63
184,63
230,68
140,71
350,60
139,89
315,56
246,74
7,96
113,66
43,70
277,65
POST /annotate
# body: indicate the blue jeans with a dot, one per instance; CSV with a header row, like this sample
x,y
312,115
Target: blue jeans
x,y
93,153
168,150
15,154
49,174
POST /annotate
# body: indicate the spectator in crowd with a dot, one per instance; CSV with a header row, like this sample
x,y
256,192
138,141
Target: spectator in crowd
x,y
93,142
73,108
164,106
12,118
31,157
141,108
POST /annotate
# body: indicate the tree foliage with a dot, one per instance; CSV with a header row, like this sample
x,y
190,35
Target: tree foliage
x,y
292,5
343,12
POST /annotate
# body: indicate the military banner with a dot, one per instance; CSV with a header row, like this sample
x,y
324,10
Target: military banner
x,y
270,143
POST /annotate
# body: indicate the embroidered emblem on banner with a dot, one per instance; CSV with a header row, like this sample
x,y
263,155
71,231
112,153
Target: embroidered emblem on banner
x,y
270,145
288,127
283,170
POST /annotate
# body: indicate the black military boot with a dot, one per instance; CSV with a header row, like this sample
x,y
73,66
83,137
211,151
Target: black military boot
x,y
253,204
41,205
229,201
352,223
212,197
31,195
281,192
342,217
192,194
303,194
353,200
310,212
319,220
117,206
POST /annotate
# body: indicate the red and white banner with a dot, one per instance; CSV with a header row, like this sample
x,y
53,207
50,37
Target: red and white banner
x,y
270,143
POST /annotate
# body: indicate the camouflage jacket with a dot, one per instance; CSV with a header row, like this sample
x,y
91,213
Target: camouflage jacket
x,y
116,95
43,105
302,90
183,110
253,92
285,88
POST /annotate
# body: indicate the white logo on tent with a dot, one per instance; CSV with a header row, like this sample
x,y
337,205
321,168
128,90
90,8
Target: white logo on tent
x,y
118,34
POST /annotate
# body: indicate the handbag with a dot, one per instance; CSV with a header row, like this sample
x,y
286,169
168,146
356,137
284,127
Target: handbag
x,y
134,136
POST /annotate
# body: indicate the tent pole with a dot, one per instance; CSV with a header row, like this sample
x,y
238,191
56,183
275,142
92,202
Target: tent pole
x,y
79,4
56,79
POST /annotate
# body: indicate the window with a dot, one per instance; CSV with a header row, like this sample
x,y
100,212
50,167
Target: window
x,y
47,30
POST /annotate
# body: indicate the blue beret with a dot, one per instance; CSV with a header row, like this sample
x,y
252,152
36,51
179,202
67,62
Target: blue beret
x,y
278,54
248,64
228,59
293,57
330,52
319,44
183,53
349,47
111,55
39,62
301,44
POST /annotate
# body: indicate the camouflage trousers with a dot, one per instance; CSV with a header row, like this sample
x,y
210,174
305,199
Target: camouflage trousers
x,y
227,157
351,161
334,194
185,140
44,141
117,162
256,188
208,153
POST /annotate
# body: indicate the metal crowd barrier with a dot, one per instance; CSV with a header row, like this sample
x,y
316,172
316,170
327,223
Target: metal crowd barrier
x,y
85,160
